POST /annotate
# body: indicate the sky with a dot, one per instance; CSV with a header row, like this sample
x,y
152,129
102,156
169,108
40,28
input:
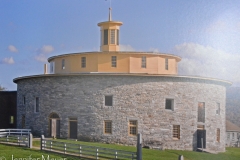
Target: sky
x,y
205,33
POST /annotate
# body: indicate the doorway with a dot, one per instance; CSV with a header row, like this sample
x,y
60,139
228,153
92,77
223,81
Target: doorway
x,y
73,128
54,123
201,138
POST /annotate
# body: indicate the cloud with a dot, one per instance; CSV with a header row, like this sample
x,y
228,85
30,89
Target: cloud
x,y
46,49
8,61
207,61
42,53
12,48
126,48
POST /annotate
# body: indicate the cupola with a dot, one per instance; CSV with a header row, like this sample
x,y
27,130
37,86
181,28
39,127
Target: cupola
x,y
110,34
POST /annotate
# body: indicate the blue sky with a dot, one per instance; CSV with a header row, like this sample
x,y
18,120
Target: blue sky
x,y
205,33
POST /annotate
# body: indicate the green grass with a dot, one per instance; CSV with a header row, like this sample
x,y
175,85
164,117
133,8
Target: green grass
x,y
8,151
149,154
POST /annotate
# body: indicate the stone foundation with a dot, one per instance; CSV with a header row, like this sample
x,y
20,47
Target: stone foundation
x,y
140,98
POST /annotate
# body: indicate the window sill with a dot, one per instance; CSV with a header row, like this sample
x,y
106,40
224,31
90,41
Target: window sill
x,y
132,135
175,139
107,134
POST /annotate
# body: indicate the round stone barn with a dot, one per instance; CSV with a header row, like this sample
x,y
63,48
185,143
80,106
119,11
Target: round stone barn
x,y
110,96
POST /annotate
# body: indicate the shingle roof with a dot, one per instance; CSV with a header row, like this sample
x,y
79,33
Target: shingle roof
x,y
231,127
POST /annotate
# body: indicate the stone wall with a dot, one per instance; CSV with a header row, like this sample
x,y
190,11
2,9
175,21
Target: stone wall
x,y
140,98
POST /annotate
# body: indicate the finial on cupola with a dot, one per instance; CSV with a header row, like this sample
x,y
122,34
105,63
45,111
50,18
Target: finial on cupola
x,y
110,14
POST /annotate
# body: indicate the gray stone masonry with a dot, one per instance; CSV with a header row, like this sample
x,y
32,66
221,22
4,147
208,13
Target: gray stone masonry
x,y
140,98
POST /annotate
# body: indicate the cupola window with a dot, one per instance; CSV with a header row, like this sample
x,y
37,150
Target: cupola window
x,y
117,37
112,40
105,37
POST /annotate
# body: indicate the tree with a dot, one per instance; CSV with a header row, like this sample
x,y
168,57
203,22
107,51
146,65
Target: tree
x,y
2,88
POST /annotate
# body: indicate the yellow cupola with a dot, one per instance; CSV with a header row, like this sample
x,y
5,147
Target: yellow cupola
x,y
109,34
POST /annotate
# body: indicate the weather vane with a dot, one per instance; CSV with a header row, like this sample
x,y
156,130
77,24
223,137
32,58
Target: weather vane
x,y
109,3
110,8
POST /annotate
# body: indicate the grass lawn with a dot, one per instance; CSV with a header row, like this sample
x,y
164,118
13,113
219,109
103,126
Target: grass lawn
x,y
19,153
149,154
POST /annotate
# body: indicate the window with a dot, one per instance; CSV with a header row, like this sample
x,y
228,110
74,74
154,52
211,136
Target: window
x,y
63,63
11,119
112,40
218,109
51,67
169,104
233,136
144,62
105,36
218,135
117,37
23,121
37,104
133,127
108,100
176,131
24,100
166,63
83,62
228,136
108,127
201,112
114,61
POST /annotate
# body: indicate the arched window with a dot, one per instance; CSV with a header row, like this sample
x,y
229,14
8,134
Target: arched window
x,y
54,115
